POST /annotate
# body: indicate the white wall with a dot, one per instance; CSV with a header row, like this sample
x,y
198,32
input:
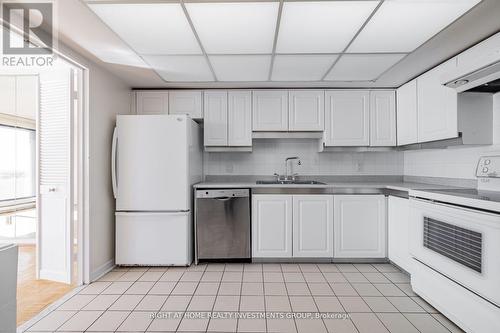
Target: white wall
x,y
268,157
452,162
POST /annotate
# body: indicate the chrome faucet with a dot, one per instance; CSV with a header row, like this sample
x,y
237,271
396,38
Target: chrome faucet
x,y
287,175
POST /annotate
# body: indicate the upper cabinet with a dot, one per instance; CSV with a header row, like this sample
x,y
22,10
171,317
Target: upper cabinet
x,y
437,104
239,118
306,110
215,129
382,118
152,102
270,110
347,118
186,102
407,118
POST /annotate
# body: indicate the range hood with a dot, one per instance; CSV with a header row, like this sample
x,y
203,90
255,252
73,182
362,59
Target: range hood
x,y
485,79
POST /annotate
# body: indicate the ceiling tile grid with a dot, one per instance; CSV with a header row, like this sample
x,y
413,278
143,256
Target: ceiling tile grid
x,y
277,40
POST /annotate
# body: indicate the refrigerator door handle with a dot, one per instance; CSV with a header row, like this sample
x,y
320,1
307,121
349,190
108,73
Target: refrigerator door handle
x,y
113,163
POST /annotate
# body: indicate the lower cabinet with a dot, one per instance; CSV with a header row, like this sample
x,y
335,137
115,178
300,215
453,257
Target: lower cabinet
x,y
359,226
292,226
398,232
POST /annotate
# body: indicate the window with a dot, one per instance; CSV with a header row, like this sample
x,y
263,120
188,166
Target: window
x,y
17,163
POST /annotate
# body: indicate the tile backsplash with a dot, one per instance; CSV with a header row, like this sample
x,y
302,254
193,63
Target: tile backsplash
x,y
269,155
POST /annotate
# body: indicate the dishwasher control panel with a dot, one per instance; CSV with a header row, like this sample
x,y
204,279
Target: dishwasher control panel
x,y
222,193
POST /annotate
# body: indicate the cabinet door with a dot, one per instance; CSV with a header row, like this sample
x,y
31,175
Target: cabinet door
x,y
382,118
407,119
8,95
437,104
270,110
347,118
215,120
398,232
359,226
271,226
313,226
152,102
186,102
240,118
306,110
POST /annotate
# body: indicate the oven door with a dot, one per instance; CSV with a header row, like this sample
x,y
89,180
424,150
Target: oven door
x,y
460,243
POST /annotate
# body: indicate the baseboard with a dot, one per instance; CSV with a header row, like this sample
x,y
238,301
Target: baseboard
x,y
102,270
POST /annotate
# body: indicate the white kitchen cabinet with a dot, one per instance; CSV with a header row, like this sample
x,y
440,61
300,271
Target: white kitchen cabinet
x,y
382,118
359,226
271,226
8,95
188,102
151,102
437,104
270,110
398,217
306,110
313,226
347,118
239,118
407,119
215,120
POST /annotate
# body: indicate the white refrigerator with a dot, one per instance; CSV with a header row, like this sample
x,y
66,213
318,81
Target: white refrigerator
x,y
155,161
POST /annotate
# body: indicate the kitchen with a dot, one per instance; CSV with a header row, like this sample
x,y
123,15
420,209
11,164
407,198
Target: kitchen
x,y
346,177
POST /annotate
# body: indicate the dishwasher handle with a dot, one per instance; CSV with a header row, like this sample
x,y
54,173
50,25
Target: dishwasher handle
x,y
223,198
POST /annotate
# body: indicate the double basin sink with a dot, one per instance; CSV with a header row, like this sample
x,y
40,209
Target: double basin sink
x,y
289,182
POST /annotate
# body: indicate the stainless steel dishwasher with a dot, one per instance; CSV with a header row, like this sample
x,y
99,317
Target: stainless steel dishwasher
x,y
222,224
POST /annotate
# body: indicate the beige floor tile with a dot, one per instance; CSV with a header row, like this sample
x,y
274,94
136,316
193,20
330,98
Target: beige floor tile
x,y
95,288
215,268
335,277
252,267
376,278
424,305
252,303
222,325
397,277
137,321
138,269
109,321
212,276
290,268
298,289
396,323
230,288
176,303
227,303
191,276
252,276
379,304
234,267
207,288
140,288
201,303
368,323
184,288
80,321
447,323
293,277
343,289
101,302
152,276
425,323
347,268
275,289
281,325
356,277
76,302
251,325
232,276
161,269
130,276
313,277
117,288
328,304
339,325
405,304
197,268
320,289
365,268
273,277
126,303
271,267
171,275
168,324
328,268
310,325
162,288
354,304
52,321
112,276
386,268
309,268
303,304
193,325
277,304
366,289
252,288
388,289
406,288
151,303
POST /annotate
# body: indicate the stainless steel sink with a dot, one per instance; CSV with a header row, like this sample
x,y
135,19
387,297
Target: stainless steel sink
x,y
290,182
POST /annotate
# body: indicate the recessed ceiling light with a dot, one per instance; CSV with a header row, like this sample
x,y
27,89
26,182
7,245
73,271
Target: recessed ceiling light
x,y
241,67
301,67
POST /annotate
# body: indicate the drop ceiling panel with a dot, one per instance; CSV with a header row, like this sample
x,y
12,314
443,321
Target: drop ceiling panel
x,y
321,27
364,67
181,68
159,28
403,25
241,67
235,28
301,67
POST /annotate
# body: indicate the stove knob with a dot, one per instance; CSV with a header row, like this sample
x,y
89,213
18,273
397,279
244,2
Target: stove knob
x,y
485,170
487,162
